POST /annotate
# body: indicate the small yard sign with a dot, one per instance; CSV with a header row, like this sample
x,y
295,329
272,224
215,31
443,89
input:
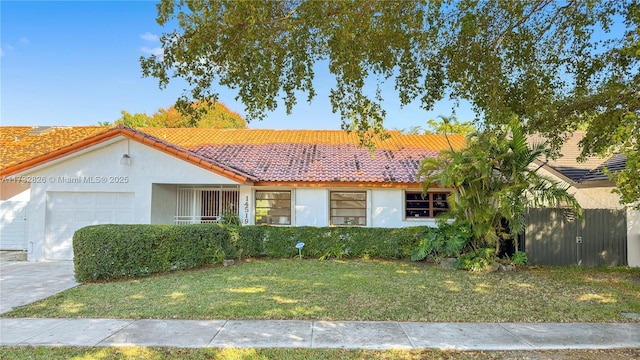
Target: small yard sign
x,y
300,246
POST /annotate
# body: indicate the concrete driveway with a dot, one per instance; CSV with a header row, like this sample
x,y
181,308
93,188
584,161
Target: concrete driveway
x,y
23,282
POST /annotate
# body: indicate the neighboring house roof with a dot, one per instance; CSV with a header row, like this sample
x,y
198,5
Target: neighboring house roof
x,y
21,143
588,171
276,156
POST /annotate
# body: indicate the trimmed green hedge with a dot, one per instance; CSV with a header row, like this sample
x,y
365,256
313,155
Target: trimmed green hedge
x,y
104,252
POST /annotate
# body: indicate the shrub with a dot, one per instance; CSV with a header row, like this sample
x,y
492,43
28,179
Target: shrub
x,y
112,251
519,258
104,252
477,260
447,240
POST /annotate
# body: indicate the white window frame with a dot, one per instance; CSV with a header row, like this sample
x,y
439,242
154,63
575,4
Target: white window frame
x,y
281,219
352,221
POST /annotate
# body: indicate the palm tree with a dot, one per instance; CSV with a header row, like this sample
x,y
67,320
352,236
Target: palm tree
x,y
493,181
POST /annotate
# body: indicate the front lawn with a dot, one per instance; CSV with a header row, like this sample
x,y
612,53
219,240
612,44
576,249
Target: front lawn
x,y
356,290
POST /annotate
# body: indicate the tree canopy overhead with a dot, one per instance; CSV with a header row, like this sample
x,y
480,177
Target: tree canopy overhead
x,y
555,64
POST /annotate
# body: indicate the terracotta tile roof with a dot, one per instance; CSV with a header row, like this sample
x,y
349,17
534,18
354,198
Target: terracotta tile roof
x,y
194,137
591,169
310,155
319,162
247,155
21,143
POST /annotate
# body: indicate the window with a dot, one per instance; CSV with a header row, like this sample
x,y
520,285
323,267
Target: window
x,y
273,207
348,208
428,205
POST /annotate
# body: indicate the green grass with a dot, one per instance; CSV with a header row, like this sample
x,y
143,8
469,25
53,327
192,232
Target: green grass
x,y
110,353
356,290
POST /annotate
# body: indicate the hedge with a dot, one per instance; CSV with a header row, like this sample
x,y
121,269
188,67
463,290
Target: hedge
x,y
105,252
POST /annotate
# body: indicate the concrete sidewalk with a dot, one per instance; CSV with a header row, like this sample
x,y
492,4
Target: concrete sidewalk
x,y
318,334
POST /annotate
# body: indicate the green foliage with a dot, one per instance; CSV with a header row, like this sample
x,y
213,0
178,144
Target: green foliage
x,y
519,258
493,180
552,63
447,240
104,252
114,251
448,125
477,261
201,114
230,217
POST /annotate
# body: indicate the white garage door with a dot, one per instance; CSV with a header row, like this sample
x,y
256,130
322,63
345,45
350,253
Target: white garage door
x,y
70,211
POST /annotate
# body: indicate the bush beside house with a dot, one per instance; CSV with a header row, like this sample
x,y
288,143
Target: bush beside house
x,y
105,252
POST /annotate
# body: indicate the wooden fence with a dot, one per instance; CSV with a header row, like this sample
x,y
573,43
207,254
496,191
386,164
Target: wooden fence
x,y
557,237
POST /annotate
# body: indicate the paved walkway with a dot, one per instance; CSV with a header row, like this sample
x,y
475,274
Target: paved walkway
x,y
317,334
22,283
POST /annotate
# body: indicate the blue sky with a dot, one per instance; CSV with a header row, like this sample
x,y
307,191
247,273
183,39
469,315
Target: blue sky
x,y
77,63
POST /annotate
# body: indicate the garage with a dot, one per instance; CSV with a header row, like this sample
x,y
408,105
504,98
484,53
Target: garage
x,y
69,211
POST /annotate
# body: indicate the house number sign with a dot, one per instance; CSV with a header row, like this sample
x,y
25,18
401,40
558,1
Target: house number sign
x,y
246,209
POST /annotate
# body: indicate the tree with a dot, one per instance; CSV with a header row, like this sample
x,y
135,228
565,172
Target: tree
x,y
493,181
448,125
134,120
203,115
549,63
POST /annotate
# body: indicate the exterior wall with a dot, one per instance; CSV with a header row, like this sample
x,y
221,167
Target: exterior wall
x,y
163,203
590,198
633,238
247,205
86,172
13,225
598,198
14,202
387,210
311,207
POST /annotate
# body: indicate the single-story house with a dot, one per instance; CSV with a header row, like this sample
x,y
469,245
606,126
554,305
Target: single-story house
x,y
57,180
591,186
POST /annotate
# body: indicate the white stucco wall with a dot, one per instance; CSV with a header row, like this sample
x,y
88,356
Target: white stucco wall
x,y
247,208
311,206
633,238
99,170
13,225
385,207
387,210
163,203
